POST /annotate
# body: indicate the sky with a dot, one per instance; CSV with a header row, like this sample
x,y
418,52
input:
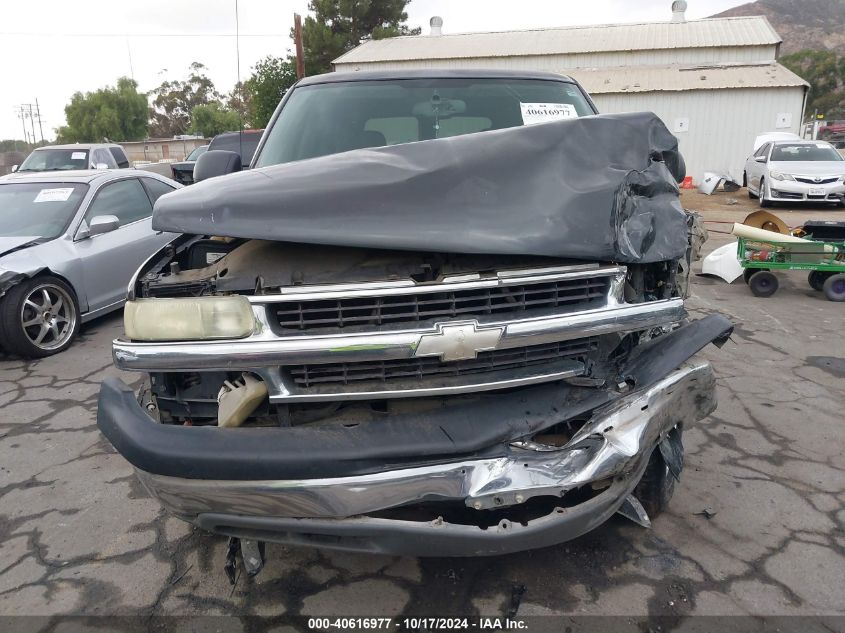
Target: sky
x,y
53,48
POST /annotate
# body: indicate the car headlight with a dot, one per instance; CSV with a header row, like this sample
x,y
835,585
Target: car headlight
x,y
188,319
780,176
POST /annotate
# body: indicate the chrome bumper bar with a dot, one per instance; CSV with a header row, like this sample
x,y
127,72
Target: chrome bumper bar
x,y
266,354
610,446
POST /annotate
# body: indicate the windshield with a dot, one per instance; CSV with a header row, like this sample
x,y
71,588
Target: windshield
x,y
338,117
805,152
199,151
56,160
42,210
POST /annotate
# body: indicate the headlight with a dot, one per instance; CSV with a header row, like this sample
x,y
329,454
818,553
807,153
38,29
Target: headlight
x,y
779,176
188,319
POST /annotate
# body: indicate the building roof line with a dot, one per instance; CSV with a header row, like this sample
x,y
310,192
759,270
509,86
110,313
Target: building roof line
x,y
706,33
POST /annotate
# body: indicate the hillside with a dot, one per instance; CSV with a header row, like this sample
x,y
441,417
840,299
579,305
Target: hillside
x,y
803,24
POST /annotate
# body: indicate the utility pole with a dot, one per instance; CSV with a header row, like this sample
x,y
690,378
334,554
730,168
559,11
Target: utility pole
x,y
38,114
22,116
31,122
297,38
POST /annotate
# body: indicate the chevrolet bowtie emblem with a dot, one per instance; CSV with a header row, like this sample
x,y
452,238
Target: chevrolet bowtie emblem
x,y
459,341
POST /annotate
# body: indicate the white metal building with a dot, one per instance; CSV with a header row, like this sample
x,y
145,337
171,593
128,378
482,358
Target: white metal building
x,y
715,83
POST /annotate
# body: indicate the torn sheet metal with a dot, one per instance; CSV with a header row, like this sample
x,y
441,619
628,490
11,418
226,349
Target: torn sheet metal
x,y
597,187
713,179
723,263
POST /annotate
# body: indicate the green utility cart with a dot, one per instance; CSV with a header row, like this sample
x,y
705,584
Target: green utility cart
x,y
824,260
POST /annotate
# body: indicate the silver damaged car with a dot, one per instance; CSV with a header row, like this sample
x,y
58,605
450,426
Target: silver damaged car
x,y
69,244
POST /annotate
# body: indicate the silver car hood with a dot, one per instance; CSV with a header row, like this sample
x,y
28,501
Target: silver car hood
x,y
809,168
8,244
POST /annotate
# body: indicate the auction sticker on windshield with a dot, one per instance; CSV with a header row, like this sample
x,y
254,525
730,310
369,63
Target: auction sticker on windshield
x,y
54,195
544,112
77,156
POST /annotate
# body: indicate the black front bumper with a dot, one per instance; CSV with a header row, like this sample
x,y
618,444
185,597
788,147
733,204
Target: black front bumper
x,y
203,473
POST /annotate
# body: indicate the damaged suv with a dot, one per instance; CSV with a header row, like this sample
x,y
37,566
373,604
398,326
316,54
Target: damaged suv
x,y
420,324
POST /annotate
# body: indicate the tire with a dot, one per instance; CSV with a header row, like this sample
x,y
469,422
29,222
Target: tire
x,y
747,272
657,485
816,280
761,196
50,308
834,287
763,284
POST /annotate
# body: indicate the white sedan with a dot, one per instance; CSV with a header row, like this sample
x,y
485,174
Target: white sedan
x,y
795,171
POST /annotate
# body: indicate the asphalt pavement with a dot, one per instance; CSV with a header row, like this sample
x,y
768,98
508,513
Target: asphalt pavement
x,y
755,527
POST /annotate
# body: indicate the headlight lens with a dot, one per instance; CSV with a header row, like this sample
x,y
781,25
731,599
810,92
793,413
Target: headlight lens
x,y
188,319
780,176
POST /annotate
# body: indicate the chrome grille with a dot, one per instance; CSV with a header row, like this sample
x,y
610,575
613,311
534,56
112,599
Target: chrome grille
x,y
812,181
305,376
521,299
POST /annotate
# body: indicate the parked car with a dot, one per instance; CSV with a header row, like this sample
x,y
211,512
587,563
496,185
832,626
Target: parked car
x,y
795,171
831,128
242,143
69,243
183,172
423,310
75,157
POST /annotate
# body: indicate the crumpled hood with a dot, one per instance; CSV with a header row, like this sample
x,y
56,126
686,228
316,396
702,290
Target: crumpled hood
x,y
589,188
8,244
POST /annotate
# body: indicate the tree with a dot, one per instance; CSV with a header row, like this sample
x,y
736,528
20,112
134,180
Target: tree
x,y
212,118
824,70
340,25
173,102
238,100
117,113
271,78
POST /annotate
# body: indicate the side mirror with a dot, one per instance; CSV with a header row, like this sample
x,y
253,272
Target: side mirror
x,y
218,162
759,159
103,224
15,168
101,166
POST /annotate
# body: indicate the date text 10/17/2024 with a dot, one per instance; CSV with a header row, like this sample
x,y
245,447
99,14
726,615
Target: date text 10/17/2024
x,y
417,624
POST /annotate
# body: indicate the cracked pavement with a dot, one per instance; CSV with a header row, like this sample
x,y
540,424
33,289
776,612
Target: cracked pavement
x,y
755,526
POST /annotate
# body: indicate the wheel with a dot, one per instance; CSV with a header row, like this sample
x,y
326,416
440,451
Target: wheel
x,y
816,280
834,287
761,197
763,284
657,484
745,184
748,272
39,317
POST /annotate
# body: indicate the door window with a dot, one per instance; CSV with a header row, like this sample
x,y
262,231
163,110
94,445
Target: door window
x,y
101,156
764,150
125,199
119,157
156,188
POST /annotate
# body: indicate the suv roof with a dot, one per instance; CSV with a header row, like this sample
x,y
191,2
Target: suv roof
x,y
80,175
440,73
77,146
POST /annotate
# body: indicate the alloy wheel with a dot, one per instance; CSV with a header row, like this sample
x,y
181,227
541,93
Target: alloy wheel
x,y
48,317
